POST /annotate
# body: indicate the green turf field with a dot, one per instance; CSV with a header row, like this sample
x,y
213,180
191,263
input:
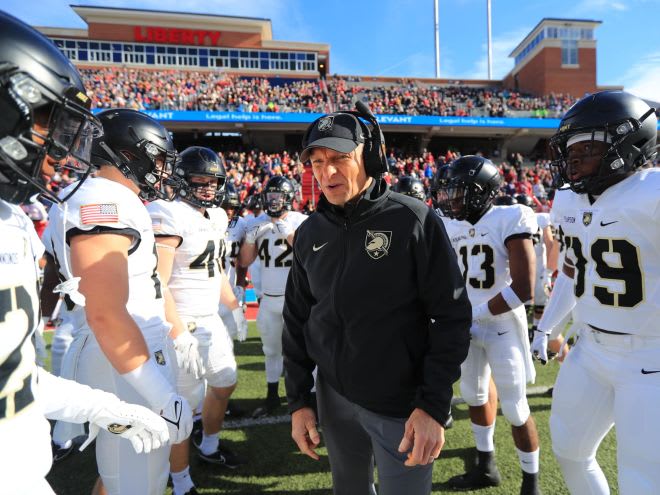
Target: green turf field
x,y
276,467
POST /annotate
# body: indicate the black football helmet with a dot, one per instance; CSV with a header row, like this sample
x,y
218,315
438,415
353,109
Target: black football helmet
x,y
411,186
45,113
198,161
438,181
231,201
623,121
277,196
469,187
504,200
254,204
141,148
523,199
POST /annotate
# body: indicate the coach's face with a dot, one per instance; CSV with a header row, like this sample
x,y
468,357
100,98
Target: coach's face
x,y
341,175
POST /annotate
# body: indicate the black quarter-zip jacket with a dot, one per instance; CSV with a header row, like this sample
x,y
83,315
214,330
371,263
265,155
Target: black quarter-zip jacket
x,y
376,299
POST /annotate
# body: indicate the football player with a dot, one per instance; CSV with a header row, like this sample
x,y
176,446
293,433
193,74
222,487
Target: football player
x,y
609,218
411,186
270,236
105,249
190,233
46,126
494,246
235,273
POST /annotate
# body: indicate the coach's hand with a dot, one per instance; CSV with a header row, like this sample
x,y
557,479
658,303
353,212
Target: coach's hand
x,y
304,432
423,439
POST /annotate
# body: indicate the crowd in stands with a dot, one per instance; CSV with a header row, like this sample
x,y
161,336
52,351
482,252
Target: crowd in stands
x,y
190,90
218,91
248,172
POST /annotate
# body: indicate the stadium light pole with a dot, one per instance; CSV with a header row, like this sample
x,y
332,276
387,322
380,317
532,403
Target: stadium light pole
x,y
490,42
436,33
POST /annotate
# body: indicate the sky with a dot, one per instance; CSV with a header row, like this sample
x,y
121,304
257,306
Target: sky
x,y
395,37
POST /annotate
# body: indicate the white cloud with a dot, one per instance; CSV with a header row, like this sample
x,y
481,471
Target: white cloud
x,y
502,46
642,78
418,64
593,6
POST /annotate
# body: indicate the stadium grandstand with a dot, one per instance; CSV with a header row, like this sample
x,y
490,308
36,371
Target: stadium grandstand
x,y
224,82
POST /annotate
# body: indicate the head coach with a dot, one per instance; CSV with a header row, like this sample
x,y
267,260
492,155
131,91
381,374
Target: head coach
x,y
376,300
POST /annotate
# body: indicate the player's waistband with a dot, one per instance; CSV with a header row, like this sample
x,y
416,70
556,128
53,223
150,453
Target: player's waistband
x,y
15,402
619,340
274,295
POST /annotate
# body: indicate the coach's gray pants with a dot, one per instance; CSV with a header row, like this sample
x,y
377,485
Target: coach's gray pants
x,y
354,436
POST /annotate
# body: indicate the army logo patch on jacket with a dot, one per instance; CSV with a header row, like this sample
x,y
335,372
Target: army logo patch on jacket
x,y
377,243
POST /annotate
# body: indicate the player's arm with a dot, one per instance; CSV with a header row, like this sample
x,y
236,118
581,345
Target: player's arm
x,y
228,298
561,302
551,249
522,266
101,261
77,403
51,279
185,345
166,248
248,252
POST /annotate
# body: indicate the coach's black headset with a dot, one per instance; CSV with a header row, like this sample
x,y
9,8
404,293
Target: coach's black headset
x,y
375,163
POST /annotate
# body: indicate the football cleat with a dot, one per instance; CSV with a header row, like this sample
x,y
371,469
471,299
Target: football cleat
x,y
482,475
223,457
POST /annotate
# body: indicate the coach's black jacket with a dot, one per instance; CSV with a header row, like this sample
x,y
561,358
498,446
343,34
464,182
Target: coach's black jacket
x,y
375,298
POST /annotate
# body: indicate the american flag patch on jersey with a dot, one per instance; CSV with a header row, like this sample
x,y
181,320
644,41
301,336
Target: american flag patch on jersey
x,y
103,213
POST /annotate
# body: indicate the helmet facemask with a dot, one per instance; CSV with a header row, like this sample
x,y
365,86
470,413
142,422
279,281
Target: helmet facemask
x,y
275,203
459,199
46,130
208,194
624,153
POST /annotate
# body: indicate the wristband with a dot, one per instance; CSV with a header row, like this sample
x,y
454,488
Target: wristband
x,y
150,383
511,298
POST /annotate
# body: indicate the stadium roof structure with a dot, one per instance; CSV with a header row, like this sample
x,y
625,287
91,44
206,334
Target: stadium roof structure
x,y
552,20
93,13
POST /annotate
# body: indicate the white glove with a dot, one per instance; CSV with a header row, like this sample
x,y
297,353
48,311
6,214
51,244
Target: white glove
x,y
284,227
239,292
151,384
241,323
40,343
179,417
187,354
540,346
256,231
145,429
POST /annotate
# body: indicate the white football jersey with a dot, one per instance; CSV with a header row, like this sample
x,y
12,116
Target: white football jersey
x,y
481,250
20,251
104,206
614,245
195,280
235,235
275,253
